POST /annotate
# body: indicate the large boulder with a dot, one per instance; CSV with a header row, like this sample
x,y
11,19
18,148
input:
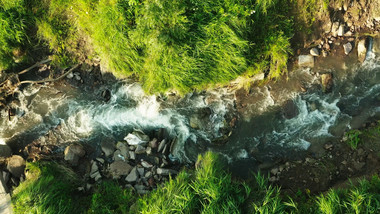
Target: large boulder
x,y
362,50
137,137
119,168
16,165
5,151
306,61
73,153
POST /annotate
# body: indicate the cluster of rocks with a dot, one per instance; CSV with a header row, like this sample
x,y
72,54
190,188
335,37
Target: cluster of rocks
x,y
138,162
11,174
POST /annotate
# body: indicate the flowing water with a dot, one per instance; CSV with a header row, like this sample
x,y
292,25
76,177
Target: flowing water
x,y
264,134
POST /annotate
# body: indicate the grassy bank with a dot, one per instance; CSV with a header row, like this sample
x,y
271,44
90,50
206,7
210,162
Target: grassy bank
x,y
180,45
51,188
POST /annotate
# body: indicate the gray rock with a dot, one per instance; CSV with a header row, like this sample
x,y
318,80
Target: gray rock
x,y
347,48
306,61
124,150
119,168
334,29
117,156
149,150
163,171
70,75
132,155
73,153
6,176
165,150
153,143
95,174
77,77
314,52
108,148
5,151
362,50
94,168
148,174
341,30
137,137
5,204
141,171
161,145
140,150
100,160
3,185
274,171
132,176
146,164
16,166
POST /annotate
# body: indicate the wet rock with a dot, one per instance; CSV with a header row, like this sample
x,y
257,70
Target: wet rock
x,y
306,61
137,137
132,155
314,52
146,164
163,171
153,143
140,150
161,145
141,171
106,94
347,48
70,75
194,121
16,165
108,148
119,168
5,151
362,50
132,176
327,82
73,153
290,109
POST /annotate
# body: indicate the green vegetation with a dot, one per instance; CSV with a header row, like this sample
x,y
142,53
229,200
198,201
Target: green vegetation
x,y
180,44
52,188
353,138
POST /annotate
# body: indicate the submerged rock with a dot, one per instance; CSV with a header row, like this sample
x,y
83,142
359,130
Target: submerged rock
x,y
5,151
290,109
16,165
327,82
306,61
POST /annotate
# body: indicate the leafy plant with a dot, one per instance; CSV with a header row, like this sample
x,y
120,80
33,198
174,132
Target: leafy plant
x,y
353,138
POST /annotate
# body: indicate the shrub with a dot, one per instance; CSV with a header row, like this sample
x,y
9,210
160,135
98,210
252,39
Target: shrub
x,y
353,138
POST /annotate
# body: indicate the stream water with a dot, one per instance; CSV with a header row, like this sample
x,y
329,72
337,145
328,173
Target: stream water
x,y
264,134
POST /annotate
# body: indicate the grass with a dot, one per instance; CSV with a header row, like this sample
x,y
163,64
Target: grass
x,y
52,188
353,138
176,45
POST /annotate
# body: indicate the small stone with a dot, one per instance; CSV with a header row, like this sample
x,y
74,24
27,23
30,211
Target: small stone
x,y
95,174
148,174
161,145
341,30
153,143
132,148
141,171
132,176
70,75
140,150
274,171
149,151
132,155
306,61
165,150
146,164
117,156
362,50
347,48
335,29
124,150
94,168
163,171
328,146
327,82
325,53
77,77
314,52
100,160
272,179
